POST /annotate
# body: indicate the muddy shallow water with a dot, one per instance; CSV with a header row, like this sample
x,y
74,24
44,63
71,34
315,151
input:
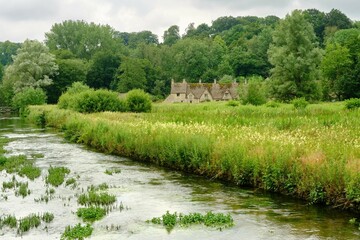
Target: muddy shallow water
x,y
146,191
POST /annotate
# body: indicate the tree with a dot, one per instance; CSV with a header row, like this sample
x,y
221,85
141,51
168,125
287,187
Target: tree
x,y
341,65
295,57
131,75
336,67
335,18
28,96
317,20
223,23
133,40
70,71
172,35
7,50
83,39
1,72
102,71
33,66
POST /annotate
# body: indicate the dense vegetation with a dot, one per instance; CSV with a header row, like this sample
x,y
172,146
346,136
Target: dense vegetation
x,y
308,54
310,151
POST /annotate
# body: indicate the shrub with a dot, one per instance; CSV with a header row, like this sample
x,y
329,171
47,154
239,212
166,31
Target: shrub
x,y
81,98
232,103
29,96
138,101
272,104
254,92
99,101
300,103
352,103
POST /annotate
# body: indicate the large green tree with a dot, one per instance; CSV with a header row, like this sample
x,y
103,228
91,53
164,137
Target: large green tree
x,y
7,50
70,71
131,75
33,66
295,58
172,35
341,65
102,70
83,39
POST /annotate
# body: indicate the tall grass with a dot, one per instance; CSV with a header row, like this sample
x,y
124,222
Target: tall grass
x,y
313,154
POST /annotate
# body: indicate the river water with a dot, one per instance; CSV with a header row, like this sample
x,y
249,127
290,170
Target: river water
x,y
146,191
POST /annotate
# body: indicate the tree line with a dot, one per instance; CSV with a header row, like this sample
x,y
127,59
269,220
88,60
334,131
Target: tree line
x,y
310,54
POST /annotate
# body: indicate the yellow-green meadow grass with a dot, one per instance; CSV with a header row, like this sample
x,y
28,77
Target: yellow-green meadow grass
x,y
313,154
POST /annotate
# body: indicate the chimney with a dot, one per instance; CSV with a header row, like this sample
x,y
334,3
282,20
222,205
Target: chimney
x,y
214,81
200,81
172,81
184,80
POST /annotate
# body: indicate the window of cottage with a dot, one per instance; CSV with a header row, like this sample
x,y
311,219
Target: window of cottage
x,y
178,94
206,96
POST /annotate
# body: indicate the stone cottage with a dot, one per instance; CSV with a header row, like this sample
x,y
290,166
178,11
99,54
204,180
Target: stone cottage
x,y
200,92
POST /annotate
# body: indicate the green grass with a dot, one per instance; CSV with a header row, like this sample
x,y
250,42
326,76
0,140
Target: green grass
x,y
47,217
310,154
210,219
70,181
57,175
77,232
21,165
91,214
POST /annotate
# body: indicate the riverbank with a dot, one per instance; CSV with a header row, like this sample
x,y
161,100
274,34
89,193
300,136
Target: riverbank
x,y
312,154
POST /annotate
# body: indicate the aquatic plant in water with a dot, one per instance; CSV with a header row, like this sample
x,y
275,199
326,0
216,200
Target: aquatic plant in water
x,y
57,175
91,214
97,199
210,219
77,232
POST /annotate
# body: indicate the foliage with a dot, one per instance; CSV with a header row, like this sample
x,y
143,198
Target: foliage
x,y
353,103
102,71
30,171
7,50
10,221
295,58
172,35
254,92
138,101
91,214
77,232
300,103
70,71
28,96
57,175
131,75
233,103
336,67
33,66
81,98
82,39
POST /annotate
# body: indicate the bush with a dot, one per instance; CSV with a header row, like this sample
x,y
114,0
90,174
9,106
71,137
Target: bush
x,y
300,103
352,103
99,101
254,92
233,103
81,98
29,96
138,101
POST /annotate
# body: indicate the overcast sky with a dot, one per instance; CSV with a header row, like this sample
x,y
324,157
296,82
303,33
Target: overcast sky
x,y
22,19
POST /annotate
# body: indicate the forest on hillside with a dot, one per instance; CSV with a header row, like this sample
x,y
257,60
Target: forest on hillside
x,y
309,54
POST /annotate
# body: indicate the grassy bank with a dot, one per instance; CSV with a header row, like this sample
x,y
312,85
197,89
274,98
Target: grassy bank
x,y
312,154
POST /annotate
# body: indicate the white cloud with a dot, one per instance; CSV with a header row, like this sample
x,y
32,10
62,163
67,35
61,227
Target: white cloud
x,y
21,19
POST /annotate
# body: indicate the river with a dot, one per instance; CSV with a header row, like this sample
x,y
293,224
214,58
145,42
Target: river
x,y
146,191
